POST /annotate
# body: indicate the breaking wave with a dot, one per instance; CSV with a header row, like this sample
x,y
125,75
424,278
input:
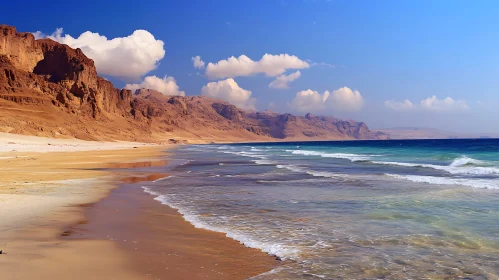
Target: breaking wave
x,y
474,183
462,165
351,157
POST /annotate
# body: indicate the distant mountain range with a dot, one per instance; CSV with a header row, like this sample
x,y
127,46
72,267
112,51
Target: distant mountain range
x,y
50,89
431,133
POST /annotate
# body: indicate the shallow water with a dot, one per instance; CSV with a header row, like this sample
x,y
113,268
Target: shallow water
x,y
349,210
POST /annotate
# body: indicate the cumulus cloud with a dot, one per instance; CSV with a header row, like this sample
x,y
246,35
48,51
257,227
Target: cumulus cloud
x,y
399,105
282,81
308,101
228,90
166,85
127,58
429,104
270,65
342,99
446,104
198,63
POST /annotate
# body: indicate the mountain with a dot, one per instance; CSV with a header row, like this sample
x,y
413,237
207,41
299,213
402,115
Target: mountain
x,y
50,89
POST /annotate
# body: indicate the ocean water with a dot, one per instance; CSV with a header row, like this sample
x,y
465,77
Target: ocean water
x,y
404,209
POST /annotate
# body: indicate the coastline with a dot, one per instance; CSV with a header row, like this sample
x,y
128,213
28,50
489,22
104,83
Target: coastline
x,y
45,194
161,244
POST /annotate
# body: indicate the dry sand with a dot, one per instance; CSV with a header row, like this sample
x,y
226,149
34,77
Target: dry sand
x,y
45,189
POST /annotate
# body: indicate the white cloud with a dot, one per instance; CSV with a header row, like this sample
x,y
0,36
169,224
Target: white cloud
x,y
282,81
167,85
198,63
308,101
342,99
320,64
40,35
399,105
429,104
270,65
447,104
127,58
228,90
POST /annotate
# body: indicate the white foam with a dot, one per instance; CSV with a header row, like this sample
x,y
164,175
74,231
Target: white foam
x,y
464,160
324,174
314,173
264,162
291,167
351,157
162,179
280,250
245,154
223,147
458,166
474,183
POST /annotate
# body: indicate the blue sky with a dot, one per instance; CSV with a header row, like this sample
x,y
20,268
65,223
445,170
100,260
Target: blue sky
x,y
388,51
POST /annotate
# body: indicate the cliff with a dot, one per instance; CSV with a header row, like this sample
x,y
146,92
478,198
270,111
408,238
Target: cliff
x,y
50,89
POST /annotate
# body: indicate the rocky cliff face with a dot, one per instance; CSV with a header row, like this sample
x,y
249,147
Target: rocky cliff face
x,y
20,48
50,89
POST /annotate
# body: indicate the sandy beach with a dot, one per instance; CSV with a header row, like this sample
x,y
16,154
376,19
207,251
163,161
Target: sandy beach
x,y
60,202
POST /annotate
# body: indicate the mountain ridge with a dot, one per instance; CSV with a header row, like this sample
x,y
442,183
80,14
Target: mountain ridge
x,y
50,89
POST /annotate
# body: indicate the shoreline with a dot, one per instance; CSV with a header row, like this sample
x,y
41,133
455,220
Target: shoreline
x,y
161,244
44,194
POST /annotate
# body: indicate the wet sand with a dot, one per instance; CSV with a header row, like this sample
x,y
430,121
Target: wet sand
x,y
41,194
63,217
161,244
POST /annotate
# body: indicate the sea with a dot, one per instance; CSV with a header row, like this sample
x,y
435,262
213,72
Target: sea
x,y
391,209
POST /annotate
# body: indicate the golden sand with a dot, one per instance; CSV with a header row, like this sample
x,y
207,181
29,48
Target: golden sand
x,y
58,210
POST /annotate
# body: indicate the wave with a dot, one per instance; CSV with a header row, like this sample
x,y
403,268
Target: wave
x,y
280,250
461,165
314,173
245,154
264,162
351,157
458,166
464,160
162,179
290,167
324,174
474,183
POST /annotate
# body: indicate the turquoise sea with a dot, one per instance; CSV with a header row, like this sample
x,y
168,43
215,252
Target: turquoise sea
x,y
396,209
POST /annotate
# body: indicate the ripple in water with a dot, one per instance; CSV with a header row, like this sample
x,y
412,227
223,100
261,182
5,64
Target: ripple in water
x,y
339,216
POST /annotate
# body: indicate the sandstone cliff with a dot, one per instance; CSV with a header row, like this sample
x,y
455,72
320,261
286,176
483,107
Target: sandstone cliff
x,y
50,89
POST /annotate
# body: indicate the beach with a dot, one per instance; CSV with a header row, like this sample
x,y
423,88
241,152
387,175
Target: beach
x,y
60,200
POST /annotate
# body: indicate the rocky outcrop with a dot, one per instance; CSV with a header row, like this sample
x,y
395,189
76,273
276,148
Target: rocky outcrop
x,y
50,89
228,111
20,48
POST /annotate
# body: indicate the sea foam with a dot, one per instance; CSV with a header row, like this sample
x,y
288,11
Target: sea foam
x,y
474,183
460,165
264,162
351,157
280,250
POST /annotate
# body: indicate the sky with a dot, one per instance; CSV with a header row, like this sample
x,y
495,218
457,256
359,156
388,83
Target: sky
x,y
388,63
